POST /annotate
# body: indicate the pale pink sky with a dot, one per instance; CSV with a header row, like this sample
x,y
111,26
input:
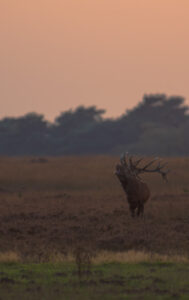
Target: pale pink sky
x,y
58,54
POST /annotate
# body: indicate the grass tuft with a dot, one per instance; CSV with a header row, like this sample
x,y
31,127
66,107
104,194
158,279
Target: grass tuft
x,y
133,256
9,257
130,256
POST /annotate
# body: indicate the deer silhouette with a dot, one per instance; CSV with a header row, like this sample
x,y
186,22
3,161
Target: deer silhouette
x,y
136,190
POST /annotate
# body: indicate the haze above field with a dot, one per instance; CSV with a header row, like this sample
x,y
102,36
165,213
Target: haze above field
x,y
59,54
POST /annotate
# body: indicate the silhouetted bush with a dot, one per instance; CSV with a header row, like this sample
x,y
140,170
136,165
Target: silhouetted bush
x,y
157,125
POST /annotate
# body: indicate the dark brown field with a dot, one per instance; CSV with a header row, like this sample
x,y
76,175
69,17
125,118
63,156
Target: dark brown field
x,y
63,203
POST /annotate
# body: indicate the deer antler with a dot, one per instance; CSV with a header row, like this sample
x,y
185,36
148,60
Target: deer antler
x,y
138,161
132,166
158,169
123,160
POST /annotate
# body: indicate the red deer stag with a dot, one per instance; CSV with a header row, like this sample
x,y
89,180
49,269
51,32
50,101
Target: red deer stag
x,y
136,190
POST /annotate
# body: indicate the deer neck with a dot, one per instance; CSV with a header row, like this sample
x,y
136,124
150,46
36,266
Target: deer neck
x,y
128,184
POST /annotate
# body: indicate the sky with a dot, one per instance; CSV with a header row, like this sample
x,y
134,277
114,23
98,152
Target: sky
x,y
59,54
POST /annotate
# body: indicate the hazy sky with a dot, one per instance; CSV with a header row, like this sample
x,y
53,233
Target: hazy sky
x,y
58,54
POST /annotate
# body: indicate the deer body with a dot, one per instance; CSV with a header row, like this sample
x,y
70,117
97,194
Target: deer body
x,y
137,193
136,190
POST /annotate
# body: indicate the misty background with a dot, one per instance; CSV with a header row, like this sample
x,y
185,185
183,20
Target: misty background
x,y
158,125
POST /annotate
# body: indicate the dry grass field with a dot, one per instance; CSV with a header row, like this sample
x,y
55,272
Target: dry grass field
x,y
56,206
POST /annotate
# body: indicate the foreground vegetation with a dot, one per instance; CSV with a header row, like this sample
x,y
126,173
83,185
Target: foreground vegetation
x,y
113,281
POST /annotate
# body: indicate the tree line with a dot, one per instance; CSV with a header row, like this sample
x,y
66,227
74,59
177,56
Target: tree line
x,y
158,125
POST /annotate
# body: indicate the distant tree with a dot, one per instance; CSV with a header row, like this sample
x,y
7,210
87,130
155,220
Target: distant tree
x,y
157,125
72,129
158,140
160,109
157,109
80,119
24,135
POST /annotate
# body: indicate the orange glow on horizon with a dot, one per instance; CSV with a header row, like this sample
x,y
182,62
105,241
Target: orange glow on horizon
x,y
58,54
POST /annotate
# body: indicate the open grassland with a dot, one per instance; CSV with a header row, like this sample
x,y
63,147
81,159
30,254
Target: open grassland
x,y
106,281
70,202
67,213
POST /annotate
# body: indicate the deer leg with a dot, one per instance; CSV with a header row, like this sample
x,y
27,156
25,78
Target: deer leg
x,y
133,213
132,210
140,209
